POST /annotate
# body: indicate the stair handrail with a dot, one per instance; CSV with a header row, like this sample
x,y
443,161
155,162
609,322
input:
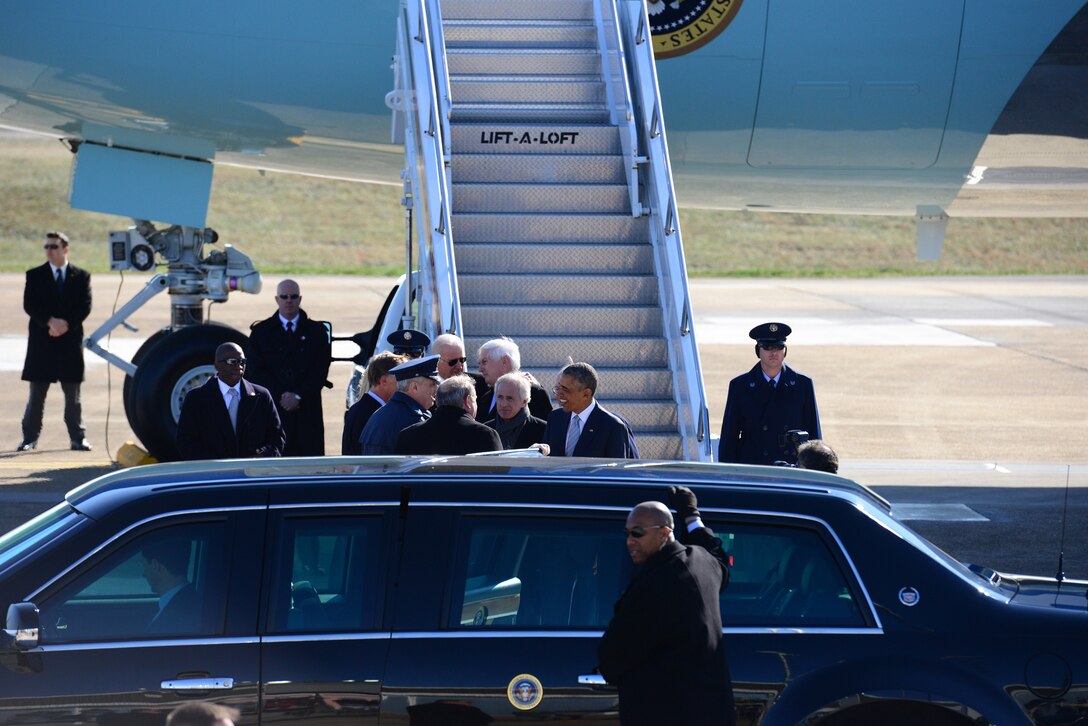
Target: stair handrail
x,y
618,92
442,75
660,203
425,131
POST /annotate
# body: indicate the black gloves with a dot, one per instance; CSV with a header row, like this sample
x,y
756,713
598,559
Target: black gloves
x,y
683,501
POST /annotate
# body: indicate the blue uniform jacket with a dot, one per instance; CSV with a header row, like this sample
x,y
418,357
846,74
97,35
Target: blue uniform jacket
x,y
757,417
379,436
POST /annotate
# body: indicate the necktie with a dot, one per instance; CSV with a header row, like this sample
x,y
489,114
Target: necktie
x,y
771,382
60,280
290,328
573,432
232,407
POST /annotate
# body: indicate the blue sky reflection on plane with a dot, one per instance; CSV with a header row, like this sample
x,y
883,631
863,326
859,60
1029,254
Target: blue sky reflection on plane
x,y
852,106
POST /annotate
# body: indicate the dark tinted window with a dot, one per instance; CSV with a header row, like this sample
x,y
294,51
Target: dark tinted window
x,y
522,572
329,574
167,582
784,576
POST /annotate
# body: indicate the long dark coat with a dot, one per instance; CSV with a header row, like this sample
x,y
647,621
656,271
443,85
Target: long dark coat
x,y
531,432
757,417
450,431
55,359
663,648
300,363
204,430
355,419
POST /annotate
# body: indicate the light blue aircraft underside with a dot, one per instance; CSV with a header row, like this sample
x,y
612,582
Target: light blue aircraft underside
x,y
861,106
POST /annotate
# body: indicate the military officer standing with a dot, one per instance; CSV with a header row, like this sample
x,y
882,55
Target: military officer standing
x,y
767,402
417,381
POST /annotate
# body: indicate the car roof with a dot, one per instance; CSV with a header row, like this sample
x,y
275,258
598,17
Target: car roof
x,y
131,484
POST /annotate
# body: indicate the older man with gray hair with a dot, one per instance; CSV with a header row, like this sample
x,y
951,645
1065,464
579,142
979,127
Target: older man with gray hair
x,y
500,356
451,430
517,428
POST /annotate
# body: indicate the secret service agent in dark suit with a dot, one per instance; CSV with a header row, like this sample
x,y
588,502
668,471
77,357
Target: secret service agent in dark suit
x,y
205,428
599,432
57,297
452,429
663,648
289,354
417,381
765,403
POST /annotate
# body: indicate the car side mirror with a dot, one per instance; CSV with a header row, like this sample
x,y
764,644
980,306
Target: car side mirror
x,y
23,626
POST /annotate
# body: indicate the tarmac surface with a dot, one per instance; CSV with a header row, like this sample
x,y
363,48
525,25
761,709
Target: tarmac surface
x,y
964,401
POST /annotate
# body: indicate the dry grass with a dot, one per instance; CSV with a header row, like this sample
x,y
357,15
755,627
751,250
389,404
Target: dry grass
x,y
303,225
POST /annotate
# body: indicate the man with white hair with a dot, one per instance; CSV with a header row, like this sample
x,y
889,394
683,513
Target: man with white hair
x,y
451,430
517,428
500,356
450,350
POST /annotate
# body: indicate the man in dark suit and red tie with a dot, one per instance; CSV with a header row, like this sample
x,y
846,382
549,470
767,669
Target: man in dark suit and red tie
x,y
229,417
57,297
582,427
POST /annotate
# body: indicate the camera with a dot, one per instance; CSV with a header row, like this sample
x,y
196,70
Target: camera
x,y
794,437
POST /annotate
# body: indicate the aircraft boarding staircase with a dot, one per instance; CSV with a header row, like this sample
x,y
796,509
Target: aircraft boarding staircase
x,y
552,244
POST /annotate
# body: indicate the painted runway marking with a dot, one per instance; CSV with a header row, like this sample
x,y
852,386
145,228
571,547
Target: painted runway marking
x,y
986,322
873,331
13,351
937,513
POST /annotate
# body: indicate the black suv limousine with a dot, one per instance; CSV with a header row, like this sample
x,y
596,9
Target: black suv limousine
x,y
474,591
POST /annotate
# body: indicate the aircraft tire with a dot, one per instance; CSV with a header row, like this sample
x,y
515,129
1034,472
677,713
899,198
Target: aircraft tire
x,y
137,359
176,364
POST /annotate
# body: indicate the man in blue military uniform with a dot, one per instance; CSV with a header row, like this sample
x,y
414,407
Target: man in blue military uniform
x,y
766,403
417,381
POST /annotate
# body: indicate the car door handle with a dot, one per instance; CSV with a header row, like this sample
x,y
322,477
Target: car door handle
x,y
198,684
593,679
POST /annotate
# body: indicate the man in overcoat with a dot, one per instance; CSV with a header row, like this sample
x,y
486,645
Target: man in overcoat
x,y
57,297
517,428
417,381
766,403
663,648
289,354
452,429
381,385
229,417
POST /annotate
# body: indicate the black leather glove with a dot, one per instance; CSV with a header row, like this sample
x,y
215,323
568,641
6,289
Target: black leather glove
x,y
683,501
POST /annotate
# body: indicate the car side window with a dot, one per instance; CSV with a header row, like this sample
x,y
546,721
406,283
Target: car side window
x,y
167,582
329,574
537,573
784,576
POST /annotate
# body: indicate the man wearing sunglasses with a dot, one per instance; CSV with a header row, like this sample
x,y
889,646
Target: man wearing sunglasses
x,y
229,417
663,648
767,403
57,297
290,355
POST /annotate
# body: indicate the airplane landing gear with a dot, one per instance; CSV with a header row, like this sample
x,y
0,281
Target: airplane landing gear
x,y
178,358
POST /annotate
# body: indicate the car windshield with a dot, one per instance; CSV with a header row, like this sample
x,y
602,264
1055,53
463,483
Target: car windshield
x,y
47,525
942,557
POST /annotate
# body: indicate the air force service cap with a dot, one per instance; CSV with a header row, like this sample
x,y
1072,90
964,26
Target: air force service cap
x,y
417,368
408,342
770,333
